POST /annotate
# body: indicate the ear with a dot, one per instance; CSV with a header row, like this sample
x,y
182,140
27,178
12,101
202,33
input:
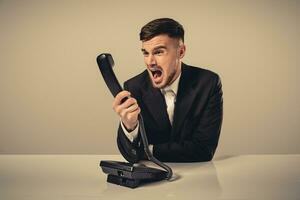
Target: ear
x,y
182,50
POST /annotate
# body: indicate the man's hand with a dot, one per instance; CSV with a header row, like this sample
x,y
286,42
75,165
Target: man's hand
x,y
128,110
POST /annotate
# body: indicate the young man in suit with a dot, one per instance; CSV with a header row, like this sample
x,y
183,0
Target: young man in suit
x,y
181,105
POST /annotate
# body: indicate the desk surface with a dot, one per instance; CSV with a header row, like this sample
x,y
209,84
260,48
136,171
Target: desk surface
x,y
79,177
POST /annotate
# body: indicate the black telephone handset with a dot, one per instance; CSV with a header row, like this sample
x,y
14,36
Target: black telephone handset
x,y
116,171
106,63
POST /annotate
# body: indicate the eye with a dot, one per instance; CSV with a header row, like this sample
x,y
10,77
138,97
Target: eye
x,y
159,52
145,53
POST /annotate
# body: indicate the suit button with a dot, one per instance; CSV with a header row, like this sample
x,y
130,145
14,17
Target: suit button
x,y
133,151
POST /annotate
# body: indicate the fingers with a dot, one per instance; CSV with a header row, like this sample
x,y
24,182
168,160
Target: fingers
x,y
129,112
128,106
131,118
120,96
129,102
124,108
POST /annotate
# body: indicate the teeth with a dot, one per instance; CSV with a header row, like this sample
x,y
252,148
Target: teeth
x,y
156,72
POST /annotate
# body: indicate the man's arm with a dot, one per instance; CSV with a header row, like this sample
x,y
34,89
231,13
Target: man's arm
x,y
205,135
129,145
131,151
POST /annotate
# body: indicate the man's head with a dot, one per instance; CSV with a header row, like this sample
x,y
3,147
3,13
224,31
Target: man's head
x,y
163,48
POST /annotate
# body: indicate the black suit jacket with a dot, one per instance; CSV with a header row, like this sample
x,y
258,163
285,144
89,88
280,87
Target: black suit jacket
x,y
197,118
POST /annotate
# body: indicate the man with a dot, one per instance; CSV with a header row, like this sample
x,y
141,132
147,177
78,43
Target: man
x,y
181,105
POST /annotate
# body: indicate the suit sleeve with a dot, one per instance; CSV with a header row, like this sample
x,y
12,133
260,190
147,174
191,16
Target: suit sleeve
x,y
131,151
205,135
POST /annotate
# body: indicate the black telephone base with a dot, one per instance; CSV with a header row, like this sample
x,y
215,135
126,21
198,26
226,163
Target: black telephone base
x,y
118,180
127,182
128,175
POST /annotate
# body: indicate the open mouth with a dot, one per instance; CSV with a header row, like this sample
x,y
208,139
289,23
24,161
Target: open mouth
x,y
157,74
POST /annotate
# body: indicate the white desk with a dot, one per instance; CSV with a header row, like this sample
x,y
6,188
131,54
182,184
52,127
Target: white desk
x,y
75,177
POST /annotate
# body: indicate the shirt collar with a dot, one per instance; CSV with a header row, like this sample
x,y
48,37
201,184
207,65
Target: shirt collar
x,y
173,86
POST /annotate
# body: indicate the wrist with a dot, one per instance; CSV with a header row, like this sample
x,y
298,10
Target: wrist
x,y
130,128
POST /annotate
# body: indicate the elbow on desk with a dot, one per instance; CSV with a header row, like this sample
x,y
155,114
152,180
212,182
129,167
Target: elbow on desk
x,y
202,158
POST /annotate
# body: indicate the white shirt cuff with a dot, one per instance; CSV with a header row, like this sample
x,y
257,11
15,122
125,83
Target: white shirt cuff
x,y
132,134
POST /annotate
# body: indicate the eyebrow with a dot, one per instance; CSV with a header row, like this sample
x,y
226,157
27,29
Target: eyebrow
x,y
155,48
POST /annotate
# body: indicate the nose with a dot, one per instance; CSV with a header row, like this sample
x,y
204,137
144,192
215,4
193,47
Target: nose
x,y
151,61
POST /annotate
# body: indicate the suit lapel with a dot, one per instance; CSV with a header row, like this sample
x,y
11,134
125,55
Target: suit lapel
x,y
184,99
156,105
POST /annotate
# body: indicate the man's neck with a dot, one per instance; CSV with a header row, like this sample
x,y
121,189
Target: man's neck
x,y
174,85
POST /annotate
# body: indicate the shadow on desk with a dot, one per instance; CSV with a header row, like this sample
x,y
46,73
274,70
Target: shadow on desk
x,y
224,157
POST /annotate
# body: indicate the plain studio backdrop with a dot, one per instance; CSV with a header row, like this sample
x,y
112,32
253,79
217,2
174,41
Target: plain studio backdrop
x,y
54,101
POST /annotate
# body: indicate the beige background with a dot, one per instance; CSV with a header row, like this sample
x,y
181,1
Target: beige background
x,y
53,99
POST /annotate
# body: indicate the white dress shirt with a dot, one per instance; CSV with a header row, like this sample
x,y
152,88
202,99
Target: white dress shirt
x,y
170,93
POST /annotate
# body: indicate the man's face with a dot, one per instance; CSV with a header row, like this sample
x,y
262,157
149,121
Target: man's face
x,y
162,56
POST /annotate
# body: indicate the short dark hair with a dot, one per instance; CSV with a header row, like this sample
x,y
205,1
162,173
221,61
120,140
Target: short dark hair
x,y
160,26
